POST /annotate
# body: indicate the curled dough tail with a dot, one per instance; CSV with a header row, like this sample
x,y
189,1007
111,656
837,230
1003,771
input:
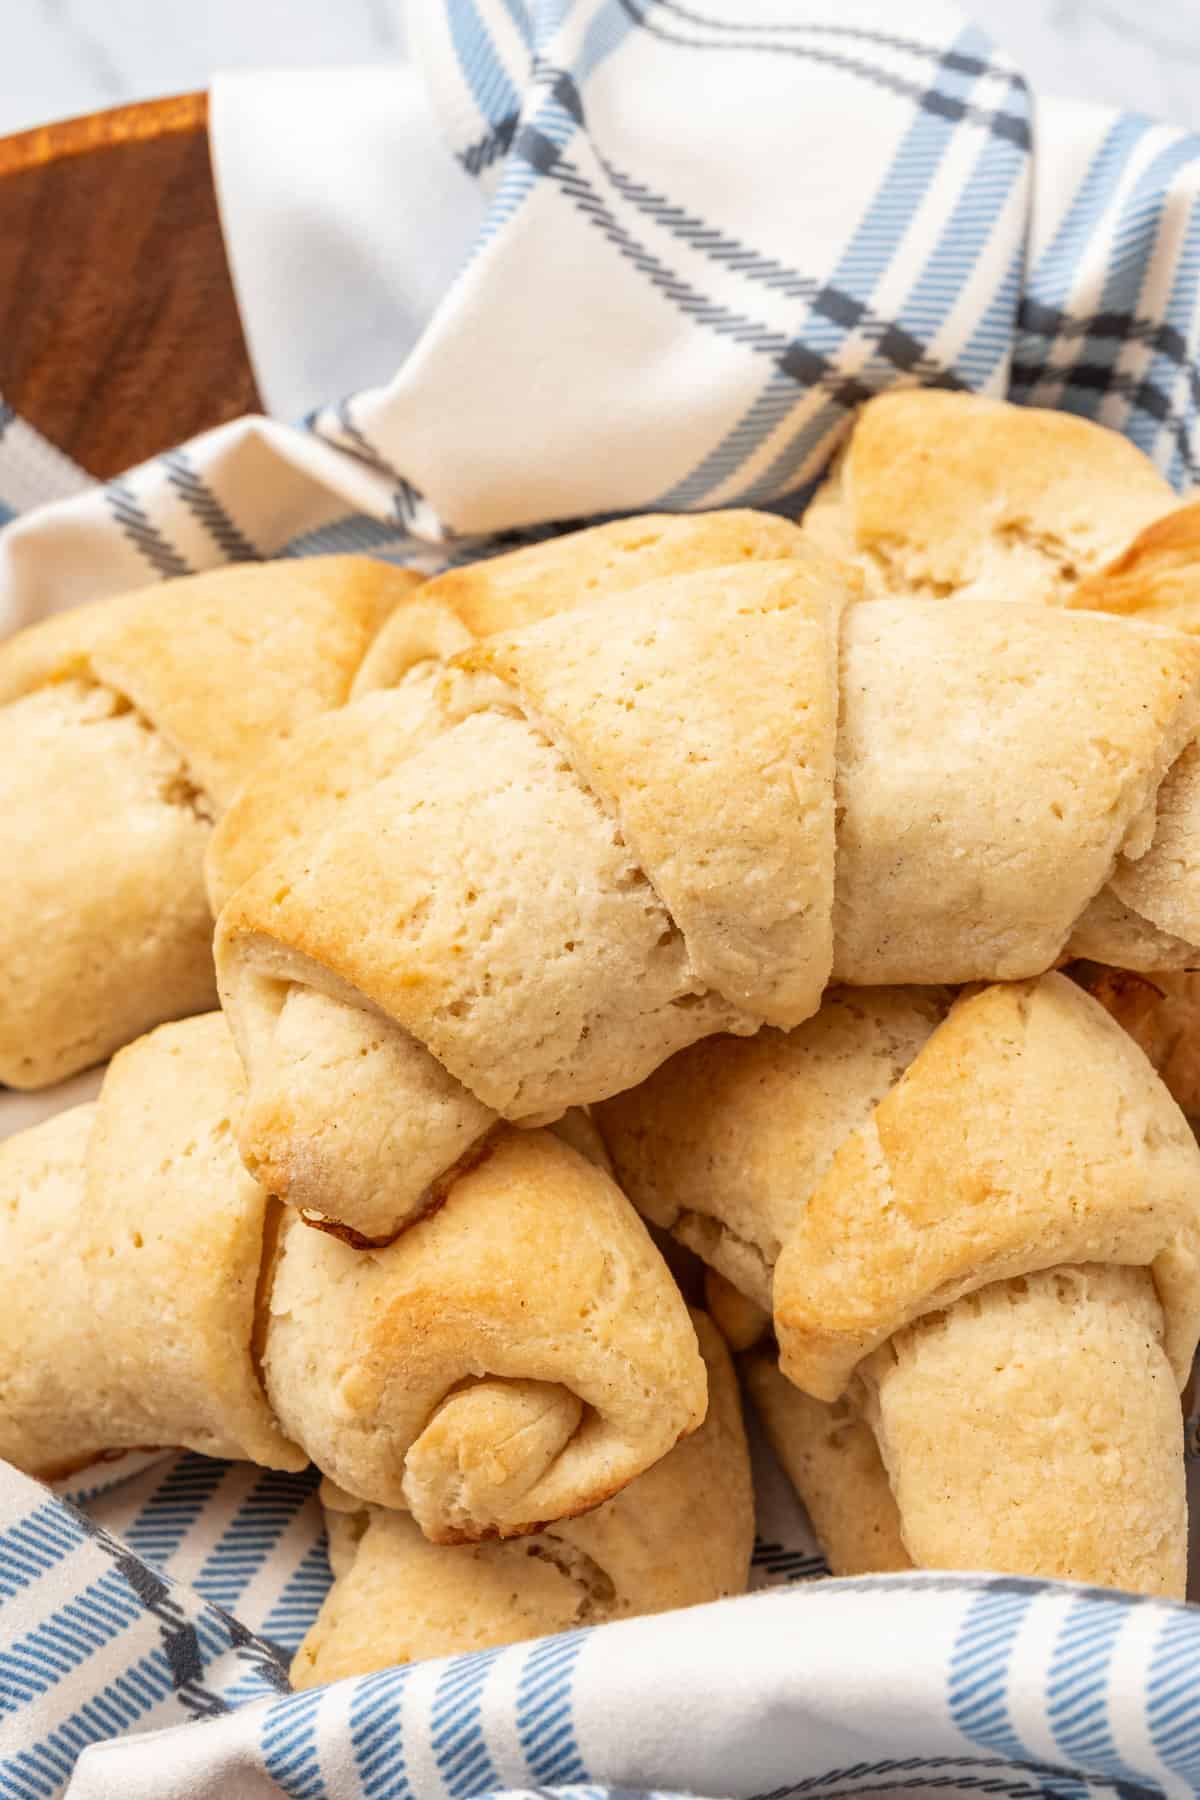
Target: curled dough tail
x,y
482,1452
517,1356
679,1535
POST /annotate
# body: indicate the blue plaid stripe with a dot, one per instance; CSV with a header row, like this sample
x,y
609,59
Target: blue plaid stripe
x,y
299,1600
147,539
355,534
545,1710
252,1535
1054,273
203,504
289,1746
990,343
36,1544
456,1732
1089,373
376,1736
1170,370
999,167
1172,1705
1171,373
1052,278
782,31
873,73
606,31
604,36
39,1659
489,82
977,1679
839,307
1078,1684
483,70
44,1659
175,1507
1071,359
896,350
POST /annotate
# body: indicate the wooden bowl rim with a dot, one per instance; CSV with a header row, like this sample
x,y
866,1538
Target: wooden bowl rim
x,y
181,114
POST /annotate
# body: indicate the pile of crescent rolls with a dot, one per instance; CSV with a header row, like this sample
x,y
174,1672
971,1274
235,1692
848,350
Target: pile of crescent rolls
x,y
528,990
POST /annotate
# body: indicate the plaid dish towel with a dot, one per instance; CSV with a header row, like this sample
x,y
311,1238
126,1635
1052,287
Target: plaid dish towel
x,y
653,254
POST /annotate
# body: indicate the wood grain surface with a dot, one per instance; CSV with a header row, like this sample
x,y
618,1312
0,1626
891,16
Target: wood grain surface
x,y
119,332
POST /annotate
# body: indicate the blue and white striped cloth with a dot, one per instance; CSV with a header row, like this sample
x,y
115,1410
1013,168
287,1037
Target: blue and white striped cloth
x,y
628,254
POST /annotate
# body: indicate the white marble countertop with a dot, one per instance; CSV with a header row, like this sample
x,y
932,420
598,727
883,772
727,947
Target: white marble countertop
x,y
71,56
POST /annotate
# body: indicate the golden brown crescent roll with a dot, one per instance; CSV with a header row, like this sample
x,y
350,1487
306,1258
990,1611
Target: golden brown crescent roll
x,y
507,849
830,1456
987,1225
984,804
683,810
343,1064
957,496
1162,1014
125,729
680,1535
1003,1263
518,1356
1031,1429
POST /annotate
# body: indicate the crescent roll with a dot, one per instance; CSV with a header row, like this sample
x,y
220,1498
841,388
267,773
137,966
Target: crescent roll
x,y
680,1535
131,1252
126,727
680,810
956,496
516,1358
984,1224
1033,1429
1003,1263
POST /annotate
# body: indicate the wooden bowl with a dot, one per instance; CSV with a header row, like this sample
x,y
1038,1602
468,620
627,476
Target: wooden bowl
x,y
119,332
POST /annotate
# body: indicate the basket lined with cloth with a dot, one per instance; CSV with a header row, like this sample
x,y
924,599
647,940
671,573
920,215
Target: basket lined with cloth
x,y
786,210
